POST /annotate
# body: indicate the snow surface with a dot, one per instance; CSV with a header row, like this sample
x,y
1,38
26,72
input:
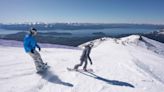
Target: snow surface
x,y
120,65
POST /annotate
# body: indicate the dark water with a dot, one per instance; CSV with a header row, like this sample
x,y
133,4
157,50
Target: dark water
x,y
88,32
112,31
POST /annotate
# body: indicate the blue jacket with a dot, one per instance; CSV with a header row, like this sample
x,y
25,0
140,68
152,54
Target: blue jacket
x,y
30,43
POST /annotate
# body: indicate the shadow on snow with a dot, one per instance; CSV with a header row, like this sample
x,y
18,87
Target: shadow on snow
x,y
50,77
112,82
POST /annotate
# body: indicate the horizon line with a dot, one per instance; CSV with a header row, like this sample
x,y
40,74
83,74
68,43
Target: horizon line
x,y
80,23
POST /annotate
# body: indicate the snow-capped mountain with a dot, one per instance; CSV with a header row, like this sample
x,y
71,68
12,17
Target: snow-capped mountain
x,y
129,64
161,31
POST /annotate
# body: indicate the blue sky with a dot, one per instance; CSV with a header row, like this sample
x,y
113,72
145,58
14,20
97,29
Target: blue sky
x,y
90,11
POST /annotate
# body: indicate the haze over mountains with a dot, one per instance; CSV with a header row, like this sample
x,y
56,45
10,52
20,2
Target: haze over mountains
x,y
76,26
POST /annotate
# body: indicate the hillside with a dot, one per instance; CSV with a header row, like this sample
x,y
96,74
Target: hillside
x,y
129,64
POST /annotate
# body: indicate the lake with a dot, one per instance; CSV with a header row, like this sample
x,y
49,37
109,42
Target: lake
x,y
88,32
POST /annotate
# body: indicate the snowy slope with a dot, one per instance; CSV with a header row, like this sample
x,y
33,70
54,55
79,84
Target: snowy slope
x,y
120,65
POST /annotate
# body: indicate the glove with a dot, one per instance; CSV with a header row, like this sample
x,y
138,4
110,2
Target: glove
x,y
39,48
91,62
32,51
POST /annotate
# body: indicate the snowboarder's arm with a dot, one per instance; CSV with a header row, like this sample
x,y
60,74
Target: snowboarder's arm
x,y
90,60
38,47
88,55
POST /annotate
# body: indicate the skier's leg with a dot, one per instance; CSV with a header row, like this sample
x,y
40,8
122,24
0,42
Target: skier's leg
x,y
38,57
36,62
85,64
38,66
81,63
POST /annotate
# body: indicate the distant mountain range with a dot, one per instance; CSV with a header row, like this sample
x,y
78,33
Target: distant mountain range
x,y
56,38
75,41
156,35
77,26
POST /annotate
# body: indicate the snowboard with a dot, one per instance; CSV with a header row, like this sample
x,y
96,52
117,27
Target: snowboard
x,y
79,70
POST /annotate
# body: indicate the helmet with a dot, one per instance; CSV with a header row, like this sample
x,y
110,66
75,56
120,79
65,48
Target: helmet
x,y
91,44
32,30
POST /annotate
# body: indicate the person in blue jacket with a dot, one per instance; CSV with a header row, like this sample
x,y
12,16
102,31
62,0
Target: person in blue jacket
x,y
30,45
